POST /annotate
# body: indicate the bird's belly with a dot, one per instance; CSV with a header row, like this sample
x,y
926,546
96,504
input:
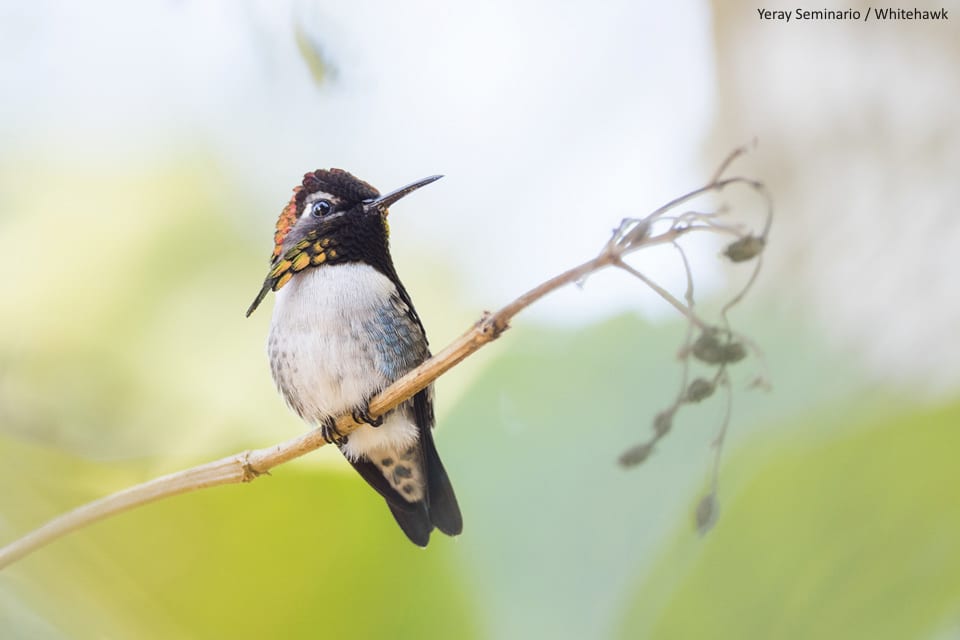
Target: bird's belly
x,y
332,342
324,373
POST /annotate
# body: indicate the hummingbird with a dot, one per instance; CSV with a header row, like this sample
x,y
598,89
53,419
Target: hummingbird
x,y
343,329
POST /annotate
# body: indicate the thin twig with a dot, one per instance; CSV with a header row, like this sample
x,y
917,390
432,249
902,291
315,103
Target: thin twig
x,y
666,295
688,339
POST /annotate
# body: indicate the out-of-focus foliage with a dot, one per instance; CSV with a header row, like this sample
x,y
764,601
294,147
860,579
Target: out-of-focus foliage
x,y
851,538
302,555
120,332
311,52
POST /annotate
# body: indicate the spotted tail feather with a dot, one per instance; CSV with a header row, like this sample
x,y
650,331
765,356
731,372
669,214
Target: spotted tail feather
x,y
415,486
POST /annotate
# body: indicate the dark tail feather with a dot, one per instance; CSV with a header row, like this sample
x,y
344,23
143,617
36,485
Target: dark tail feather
x,y
438,508
411,516
416,524
417,519
444,510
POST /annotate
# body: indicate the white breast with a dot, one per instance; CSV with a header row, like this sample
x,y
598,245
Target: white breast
x,y
321,355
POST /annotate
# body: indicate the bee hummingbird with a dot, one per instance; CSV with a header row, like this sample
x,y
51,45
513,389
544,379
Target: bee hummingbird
x,y
343,329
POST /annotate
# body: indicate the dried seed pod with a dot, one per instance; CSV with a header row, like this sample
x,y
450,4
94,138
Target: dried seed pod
x,y
708,347
734,352
706,514
711,349
636,454
663,422
698,390
746,248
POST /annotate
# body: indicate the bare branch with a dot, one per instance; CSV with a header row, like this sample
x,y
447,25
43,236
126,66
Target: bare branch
x,y
249,465
632,235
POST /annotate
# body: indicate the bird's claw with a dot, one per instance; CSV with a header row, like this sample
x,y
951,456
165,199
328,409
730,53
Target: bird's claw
x,y
362,415
331,434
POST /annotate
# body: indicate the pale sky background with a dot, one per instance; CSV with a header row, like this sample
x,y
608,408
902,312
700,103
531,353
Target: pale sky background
x,y
550,123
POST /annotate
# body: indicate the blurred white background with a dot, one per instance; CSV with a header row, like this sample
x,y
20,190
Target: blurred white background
x,y
551,123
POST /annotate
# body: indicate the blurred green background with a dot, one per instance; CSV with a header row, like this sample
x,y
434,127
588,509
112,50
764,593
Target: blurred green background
x,y
136,213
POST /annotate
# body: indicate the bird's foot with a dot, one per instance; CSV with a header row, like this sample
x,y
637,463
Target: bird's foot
x,y
362,414
331,434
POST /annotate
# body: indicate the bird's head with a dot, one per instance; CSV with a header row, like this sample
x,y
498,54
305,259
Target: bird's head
x,y
332,218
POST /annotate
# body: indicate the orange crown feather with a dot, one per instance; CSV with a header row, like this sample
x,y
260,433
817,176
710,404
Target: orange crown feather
x,y
336,182
288,218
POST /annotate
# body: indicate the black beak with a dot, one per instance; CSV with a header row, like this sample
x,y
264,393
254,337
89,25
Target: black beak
x,y
380,204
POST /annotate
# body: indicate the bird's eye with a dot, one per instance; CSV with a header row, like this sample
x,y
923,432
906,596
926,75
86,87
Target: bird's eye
x,y
321,208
